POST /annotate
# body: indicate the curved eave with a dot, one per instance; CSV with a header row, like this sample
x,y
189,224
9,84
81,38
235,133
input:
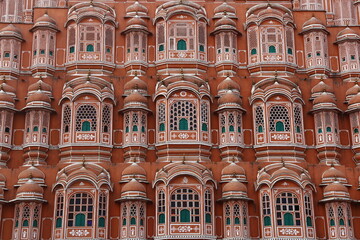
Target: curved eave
x,y
16,200
219,109
50,26
125,109
315,29
27,108
9,108
139,198
232,29
326,108
228,198
335,199
136,29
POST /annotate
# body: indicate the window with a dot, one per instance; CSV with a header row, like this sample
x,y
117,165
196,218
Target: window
x,y
161,48
161,117
208,206
181,36
236,214
185,206
183,113
59,210
133,214
227,214
266,210
90,38
287,210
259,119
71,50
272,49
279,119
102,209
80,210
298,119
90,48
204,116
253,51
66,118
161,206
124,215
106,118
85,126
181,45
290,51
308,211
86,113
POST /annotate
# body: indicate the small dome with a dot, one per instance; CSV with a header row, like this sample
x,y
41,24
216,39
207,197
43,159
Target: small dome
x,y
133,186
324,98
9,29
234,186
353,90
347,33
88,84
225,21
5,97
333,173
31,172
46,19
137,8
335,189
355,99
7,88
230,97
134,169
224,8
40,85
30,187
135,97
135,83
136,21
228,83
322,87
38,96
312,21
233,169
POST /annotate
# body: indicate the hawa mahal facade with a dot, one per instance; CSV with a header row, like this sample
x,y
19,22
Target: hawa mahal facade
x,y
179,119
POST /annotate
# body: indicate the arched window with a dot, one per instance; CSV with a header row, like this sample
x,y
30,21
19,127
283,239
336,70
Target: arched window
x,y
204,116
106,118
208,206
86,113
259,119
184,216
124,215
80,210
183,110
253,51
183,124
236,214
188,200
279,126
272,49
287,210
161,207
102,209
279,119
266,210
59,210
162,127
80,220
133,214
85,126
36,129
227,214
181,45
308,211
66,118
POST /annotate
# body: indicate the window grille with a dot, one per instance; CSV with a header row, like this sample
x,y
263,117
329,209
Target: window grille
x,y
298,119
133,214
86,113
266,209
208,206
106,119
183,110
308,211
237,214
287,210
124,215
227,214
161,207
188,200
80,210
26,216
259,119
59,210
278,114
